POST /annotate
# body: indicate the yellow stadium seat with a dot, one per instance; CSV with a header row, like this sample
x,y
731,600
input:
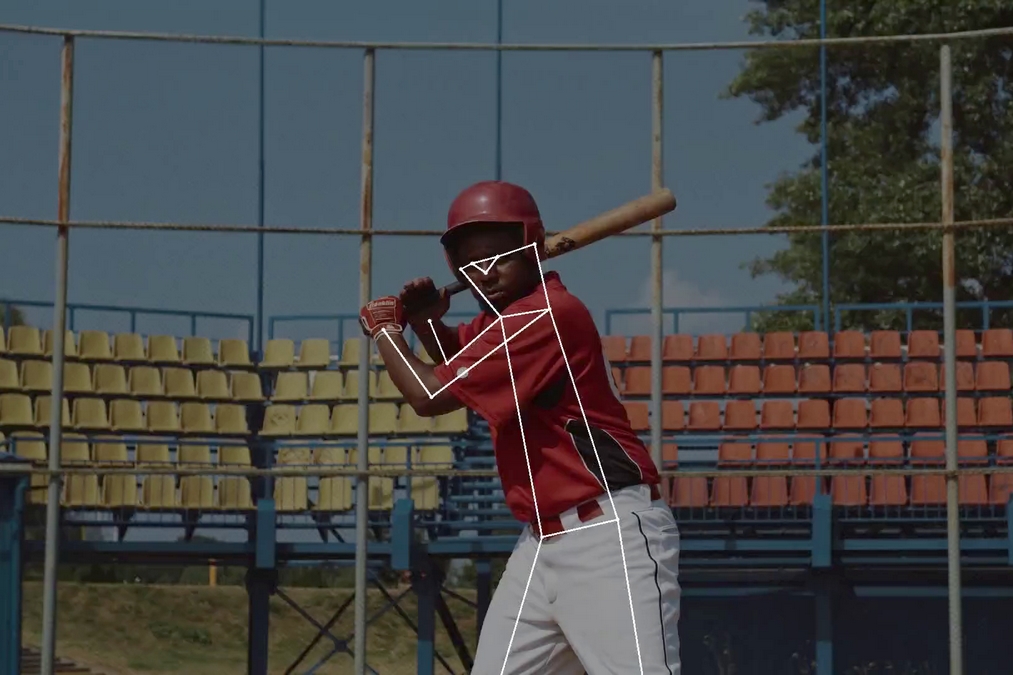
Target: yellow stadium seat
x,y
335,492
278,353
381,490
3,340
290,387
246,387
294,455
110,453
382,418
42,411
345,419
77,378
230,418
153,453
128,348
69,344
110,379
179,383
119,491
163,417
145,382
409,422
195,453
230,454
159,492
80,490
350,352
24,341
385,388
213,385
314,353
16,410
162,349
197,351
30,445
279,420
196,418
425,490
9,378
36,376
327,385
233,353
94,345
351,389
290,494
234,494
452,423
314,420
196,492
126,415
89,414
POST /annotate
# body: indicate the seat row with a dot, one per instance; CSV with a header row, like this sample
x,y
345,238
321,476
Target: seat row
x,y
820,415
782,379
810,345
319,419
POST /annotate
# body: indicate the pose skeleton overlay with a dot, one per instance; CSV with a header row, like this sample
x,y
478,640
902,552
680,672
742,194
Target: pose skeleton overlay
x,y
592,583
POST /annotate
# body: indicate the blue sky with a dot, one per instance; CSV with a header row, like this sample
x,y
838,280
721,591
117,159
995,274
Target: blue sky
x,y
168,132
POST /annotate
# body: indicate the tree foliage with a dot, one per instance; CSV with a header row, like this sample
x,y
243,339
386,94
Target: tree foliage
x,y
883,104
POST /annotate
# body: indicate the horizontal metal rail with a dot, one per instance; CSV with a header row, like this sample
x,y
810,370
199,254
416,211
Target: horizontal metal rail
x,y
516,47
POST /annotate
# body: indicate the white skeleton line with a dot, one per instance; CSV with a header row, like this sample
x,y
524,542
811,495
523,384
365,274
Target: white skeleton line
x,y
463,372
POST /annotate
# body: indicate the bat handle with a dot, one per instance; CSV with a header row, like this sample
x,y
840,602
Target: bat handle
x,y
445,292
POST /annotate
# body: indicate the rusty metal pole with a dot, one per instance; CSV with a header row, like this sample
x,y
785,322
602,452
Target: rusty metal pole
x,y
950,364
365,291
657,287
59,333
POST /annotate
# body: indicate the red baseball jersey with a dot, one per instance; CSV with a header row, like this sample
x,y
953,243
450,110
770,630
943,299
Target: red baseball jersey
x,y
530,374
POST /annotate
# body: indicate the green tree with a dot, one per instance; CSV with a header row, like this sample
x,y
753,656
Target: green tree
x,y
883,154
16,318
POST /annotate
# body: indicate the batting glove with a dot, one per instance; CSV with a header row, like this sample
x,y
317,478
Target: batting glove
x,y
383,313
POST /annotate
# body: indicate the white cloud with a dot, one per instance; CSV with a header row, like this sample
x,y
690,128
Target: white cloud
x,y
682,293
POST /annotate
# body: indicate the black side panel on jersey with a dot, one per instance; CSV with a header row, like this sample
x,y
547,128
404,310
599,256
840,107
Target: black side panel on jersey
x,y
620,470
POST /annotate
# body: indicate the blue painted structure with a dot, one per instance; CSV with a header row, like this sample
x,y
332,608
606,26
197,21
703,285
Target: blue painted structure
x,y
828,572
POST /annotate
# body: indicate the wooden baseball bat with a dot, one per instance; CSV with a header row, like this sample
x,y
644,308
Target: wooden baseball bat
x,y
620,219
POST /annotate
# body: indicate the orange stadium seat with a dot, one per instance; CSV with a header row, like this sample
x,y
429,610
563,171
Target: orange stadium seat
x,y
1000,489
972,451
849,378
813,414
709,380
923,413
994,411
771,490
779,379
617,379
850,413
704,416
886,490
777,415
638,381
965,376
779,346
884,344
745,347
732,490
740,416
920,376
967,346
886,413
992,376
614,347
849,344
846,451
640,348
997,343
676,380
673,416
677,347
803,488
744,380
885,378
923,344
711,347
637,413
814,379
814,345
688,491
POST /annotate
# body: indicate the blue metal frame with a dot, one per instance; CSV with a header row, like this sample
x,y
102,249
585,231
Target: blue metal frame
x,y
909,308
132,312
748,310
341,319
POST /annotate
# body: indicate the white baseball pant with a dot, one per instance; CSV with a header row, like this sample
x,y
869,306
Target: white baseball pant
x,y
563,606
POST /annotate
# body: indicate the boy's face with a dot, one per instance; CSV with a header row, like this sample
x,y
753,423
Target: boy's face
x,y
503,281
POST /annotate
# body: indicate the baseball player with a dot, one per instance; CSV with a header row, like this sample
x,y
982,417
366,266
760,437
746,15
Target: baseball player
x,y
591,585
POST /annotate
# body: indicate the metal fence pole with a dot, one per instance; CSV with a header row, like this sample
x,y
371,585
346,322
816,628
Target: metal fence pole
x,y
657,286
260,188
365,291
950,364
824,170
59,333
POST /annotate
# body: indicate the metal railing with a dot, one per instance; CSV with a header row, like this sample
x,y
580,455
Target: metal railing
x,y
366,232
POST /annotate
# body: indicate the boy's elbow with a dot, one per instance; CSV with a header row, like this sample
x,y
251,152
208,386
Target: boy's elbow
x,y
422,405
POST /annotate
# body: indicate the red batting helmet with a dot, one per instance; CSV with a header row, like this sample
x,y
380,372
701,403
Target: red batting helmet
x,y
496,202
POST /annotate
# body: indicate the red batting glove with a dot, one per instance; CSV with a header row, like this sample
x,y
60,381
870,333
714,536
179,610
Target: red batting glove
x,y
383,313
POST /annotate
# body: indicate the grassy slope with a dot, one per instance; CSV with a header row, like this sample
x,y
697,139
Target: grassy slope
x,y
126,629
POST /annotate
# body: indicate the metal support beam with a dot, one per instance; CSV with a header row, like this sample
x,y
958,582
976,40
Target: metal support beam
x,y
365,291
260,186
59,333
426,588
657,269
824,627
483,589
950,363
824,169
12,503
